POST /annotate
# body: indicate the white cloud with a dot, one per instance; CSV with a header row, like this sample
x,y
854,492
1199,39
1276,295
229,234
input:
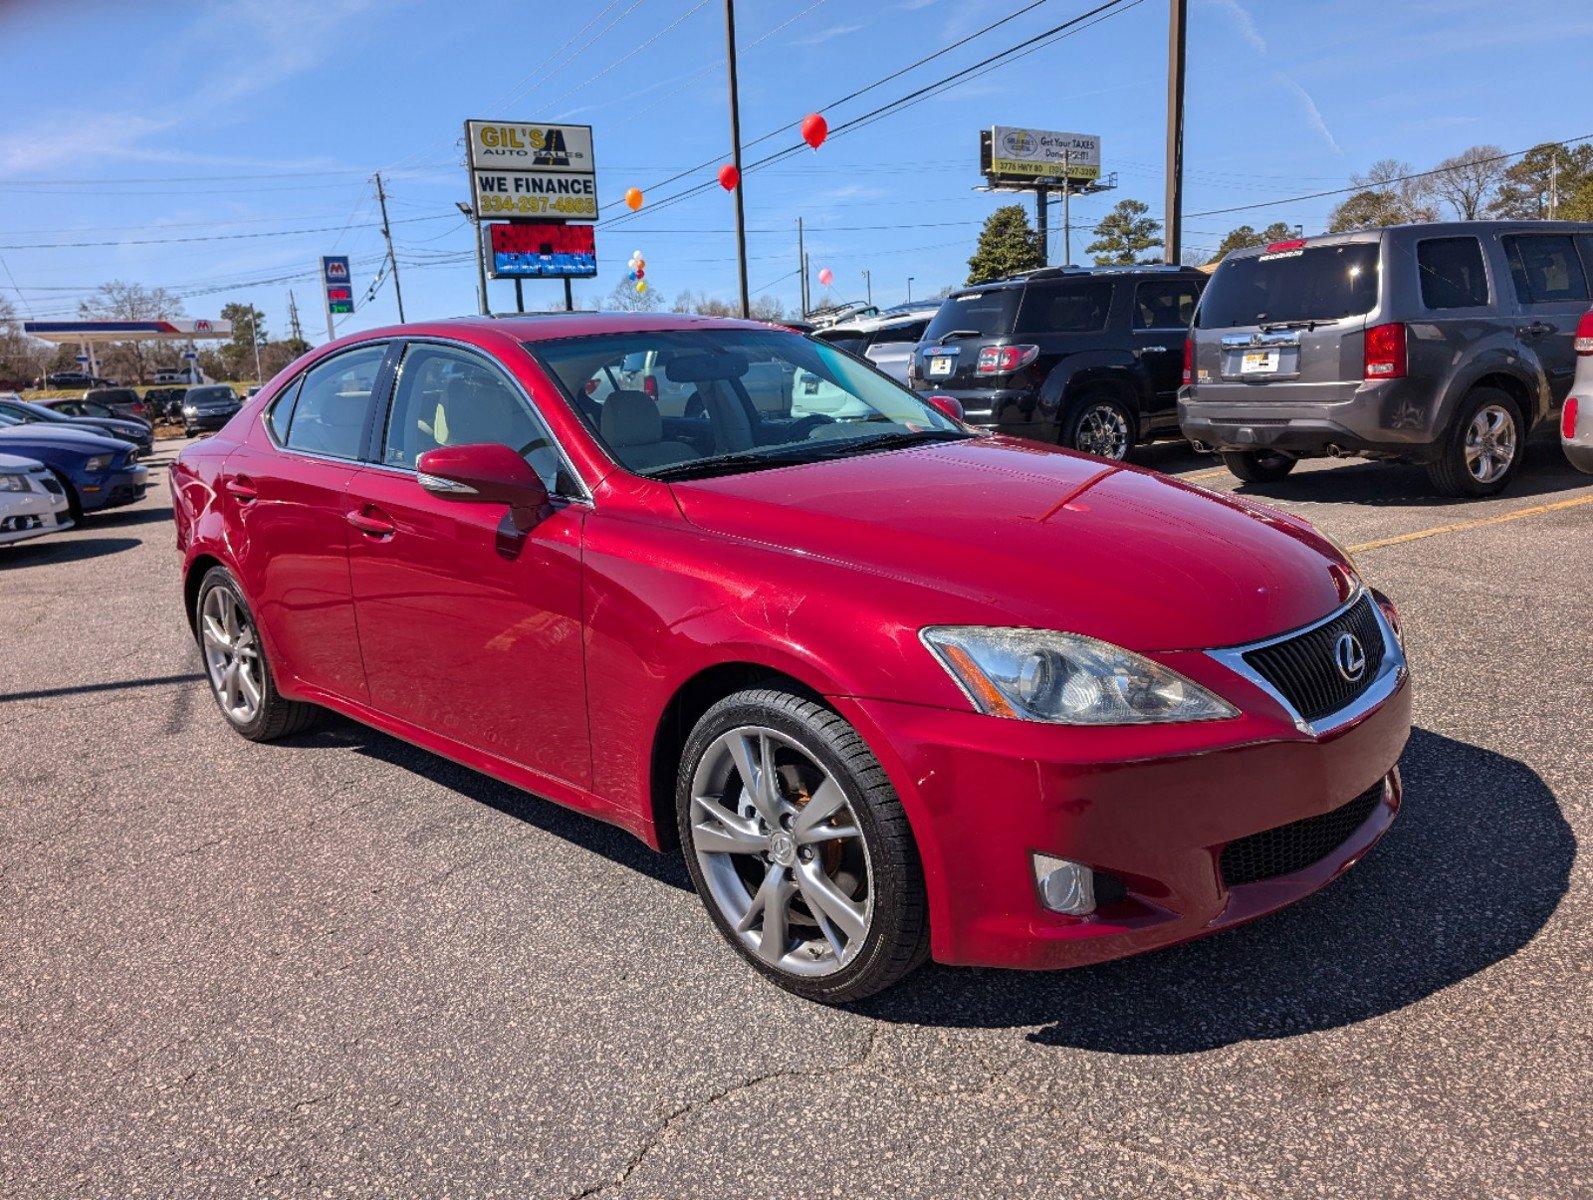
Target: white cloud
x,y
826,35
1240,16
1312,113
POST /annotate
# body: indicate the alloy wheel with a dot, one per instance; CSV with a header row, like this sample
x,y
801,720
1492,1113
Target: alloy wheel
x,y
1490,443
781,851
1102,430
232,655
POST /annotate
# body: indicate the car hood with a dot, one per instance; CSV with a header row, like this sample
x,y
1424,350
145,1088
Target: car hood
x,y
14,463
1015,533
59,438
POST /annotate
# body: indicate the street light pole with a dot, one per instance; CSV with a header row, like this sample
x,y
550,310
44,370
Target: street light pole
x,y
1177,20
735,155
910,289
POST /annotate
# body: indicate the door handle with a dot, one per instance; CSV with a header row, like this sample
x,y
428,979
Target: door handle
x,y
242,489
1536,329
372,522
1153,349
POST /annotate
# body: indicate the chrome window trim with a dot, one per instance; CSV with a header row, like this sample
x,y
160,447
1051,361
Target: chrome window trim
x,y
536,412
1390,674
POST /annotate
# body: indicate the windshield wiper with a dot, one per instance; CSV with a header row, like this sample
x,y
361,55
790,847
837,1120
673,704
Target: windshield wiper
x,y
958,333
724,464
1308,326
841,447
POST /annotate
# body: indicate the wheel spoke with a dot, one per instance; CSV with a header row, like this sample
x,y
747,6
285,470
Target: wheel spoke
x,y
229,685
754,758
828,800
214,634
725,832
251,690
821,893
776,902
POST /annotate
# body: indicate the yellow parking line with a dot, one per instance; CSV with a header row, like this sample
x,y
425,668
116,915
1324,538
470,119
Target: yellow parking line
x,y
1204,474
1458,526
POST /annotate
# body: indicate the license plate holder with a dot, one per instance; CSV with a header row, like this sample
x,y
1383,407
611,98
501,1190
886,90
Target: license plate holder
x,y
1259,362
940,365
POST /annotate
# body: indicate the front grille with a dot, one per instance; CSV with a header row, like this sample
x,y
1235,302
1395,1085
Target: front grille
x,y
1304,668
1295,846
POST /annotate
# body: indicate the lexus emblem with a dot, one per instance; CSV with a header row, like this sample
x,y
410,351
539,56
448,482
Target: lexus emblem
x,y
1350,657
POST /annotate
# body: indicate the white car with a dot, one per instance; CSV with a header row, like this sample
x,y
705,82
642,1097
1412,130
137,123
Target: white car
x,y
887,340
32,503
1576,418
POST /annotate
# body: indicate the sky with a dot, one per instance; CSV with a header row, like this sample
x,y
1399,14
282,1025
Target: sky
x,y
133,129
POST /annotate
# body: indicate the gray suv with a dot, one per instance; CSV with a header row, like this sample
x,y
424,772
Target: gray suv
x,y
1444,344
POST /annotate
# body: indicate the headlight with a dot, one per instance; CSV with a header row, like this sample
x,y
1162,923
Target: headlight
x,y
100,462
13,483
189,410
1066,679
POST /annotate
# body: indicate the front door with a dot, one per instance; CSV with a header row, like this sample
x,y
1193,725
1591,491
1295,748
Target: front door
x,y
1163,310
470,628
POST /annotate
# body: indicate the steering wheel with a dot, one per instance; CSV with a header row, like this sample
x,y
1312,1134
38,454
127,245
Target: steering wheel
x,y
802,428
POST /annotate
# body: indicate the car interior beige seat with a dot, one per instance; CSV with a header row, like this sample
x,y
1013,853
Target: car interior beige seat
x,y
632,425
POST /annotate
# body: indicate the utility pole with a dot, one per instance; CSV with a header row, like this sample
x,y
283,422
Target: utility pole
x,y
1554,184
254,337
481,254
294,328
1042,202
868,281
1067,207
735,154
1177,20
909,289
802,263
398,292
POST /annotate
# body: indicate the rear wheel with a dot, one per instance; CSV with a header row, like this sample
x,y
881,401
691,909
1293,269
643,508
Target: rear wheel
x,y
799,848
235,661
1482,447
1258,466
1100,424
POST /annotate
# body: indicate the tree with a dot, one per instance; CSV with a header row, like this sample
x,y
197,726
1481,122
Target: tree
x,y
1387,197
1245,237
1370,209
22,359
1007,244
120,301
625,298
1469,181
1124,234
248,334
1524,192
1578,206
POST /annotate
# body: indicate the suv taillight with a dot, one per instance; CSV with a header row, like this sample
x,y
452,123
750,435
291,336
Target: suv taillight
x,y
1003,360
1584,334
1568,419
1385,352
1189,360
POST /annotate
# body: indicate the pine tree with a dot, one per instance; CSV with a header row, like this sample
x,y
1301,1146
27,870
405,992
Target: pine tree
x,y
1124,234
1007,244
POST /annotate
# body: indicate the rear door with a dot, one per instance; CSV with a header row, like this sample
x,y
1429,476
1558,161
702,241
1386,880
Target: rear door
x,y
1162,312
1552,290
967,321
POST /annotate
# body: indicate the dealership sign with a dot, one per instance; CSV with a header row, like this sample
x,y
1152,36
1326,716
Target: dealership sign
x,y
1039,155
541,250
531,172
338,284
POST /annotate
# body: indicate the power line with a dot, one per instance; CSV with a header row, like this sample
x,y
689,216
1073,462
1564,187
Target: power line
x,y
214,237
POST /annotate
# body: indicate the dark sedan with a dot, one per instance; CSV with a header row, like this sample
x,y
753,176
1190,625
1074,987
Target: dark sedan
x,y
138,433
208,408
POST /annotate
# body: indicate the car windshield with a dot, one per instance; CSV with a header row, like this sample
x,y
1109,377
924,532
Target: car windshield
x,y
43,412
983,314
1319,283
677,404
210,393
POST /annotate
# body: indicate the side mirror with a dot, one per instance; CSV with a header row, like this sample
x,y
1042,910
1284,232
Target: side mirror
x,y
485,472
948,406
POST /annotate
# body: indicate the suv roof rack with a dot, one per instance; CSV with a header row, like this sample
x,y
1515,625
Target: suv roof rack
x,y
1073,269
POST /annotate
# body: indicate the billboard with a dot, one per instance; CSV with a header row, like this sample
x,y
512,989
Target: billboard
x,y
338,284
1009,153
542,250
522,170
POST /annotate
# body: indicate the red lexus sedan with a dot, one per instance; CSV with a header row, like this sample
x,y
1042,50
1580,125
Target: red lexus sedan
x,y
895,688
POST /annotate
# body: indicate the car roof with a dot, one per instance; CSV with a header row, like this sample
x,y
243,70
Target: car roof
x,y
545,327
1425,229
1020,278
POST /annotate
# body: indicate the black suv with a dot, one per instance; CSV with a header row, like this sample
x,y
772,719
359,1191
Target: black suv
x,y
1088,358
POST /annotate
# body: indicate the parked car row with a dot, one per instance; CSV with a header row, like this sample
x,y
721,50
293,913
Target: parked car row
x,y
1446,345
72,414
84,468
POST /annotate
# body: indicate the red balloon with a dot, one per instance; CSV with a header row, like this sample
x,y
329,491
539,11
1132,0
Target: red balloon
x,y
814,130
729,177
826,277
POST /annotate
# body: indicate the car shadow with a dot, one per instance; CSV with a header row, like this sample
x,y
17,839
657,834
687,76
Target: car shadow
x,y
61,548
1473,867
587,833
113,518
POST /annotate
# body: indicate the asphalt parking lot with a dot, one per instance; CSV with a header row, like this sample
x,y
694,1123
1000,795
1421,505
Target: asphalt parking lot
x,y
342,966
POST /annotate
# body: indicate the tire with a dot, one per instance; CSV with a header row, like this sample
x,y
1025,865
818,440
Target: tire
x,y
1496,415
1258,466
1092,417
872,862
74,502
272,716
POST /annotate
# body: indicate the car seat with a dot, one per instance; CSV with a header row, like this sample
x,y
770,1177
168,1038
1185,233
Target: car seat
x,y
633,428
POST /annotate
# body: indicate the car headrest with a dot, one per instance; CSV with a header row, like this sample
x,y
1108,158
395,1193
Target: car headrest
x,y
630,418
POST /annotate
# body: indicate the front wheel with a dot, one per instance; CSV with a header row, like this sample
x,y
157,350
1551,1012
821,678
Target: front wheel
x,y
1100,424
1258,466
799,848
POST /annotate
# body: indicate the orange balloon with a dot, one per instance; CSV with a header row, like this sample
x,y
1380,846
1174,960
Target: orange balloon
x,y
633,199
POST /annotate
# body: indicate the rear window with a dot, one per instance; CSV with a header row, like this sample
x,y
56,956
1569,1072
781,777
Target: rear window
x,y
200,394
1545,268
986,314
1072,306
115,395
1320,283
1452,273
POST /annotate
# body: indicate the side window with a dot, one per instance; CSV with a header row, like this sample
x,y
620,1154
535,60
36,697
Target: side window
x,y
1545,268
448,397
1452,273
280,414
329,414
1169,305
1067,307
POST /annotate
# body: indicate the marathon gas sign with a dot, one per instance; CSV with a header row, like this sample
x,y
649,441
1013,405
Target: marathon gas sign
x,y
338,283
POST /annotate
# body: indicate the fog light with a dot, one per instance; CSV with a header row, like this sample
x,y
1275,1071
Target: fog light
x,y
1065,887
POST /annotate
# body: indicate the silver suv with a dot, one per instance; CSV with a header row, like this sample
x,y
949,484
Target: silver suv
x,y
1445,344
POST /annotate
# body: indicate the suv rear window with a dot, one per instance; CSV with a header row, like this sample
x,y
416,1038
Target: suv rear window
x,y
1319,283
1545,268
1065,306
988,314
1451,272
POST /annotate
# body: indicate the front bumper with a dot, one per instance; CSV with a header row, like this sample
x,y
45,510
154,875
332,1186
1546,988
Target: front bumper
x,y
1152,806
26,515
207,422
112,489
